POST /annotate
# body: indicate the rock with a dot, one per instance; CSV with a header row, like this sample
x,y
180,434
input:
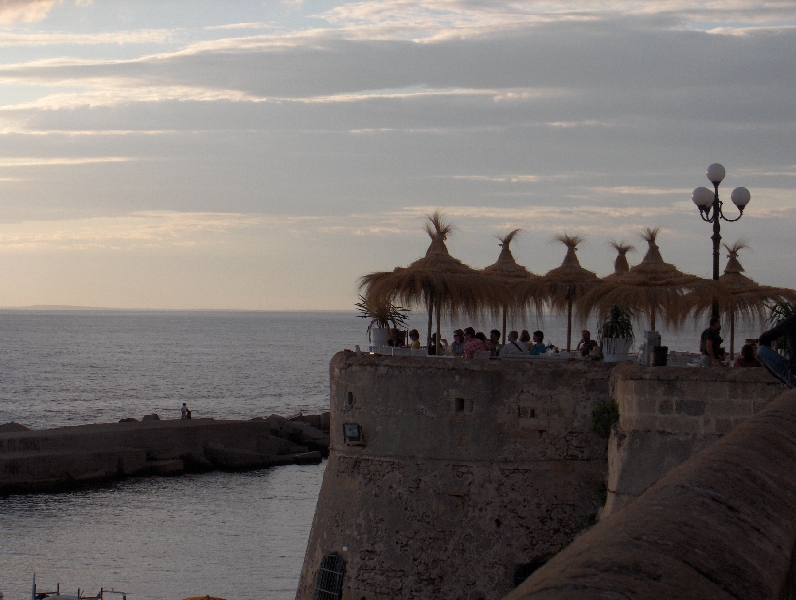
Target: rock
x,y
166,468
302,458
13,426
152,417
300,433
230,459
129,420
320,421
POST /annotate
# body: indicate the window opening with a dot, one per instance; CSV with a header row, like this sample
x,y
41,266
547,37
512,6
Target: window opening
x,y
330,578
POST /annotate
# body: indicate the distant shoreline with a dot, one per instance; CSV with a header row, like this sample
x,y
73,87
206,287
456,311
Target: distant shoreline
x,y
69,308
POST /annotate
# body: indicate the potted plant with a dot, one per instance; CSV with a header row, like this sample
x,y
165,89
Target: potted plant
x,y
616,334
382,315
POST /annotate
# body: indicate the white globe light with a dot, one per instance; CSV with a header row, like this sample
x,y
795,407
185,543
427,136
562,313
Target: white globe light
x,y
740,197
715,173
702,197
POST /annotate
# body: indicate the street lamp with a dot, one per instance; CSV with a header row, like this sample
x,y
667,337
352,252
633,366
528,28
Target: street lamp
x,y
707,200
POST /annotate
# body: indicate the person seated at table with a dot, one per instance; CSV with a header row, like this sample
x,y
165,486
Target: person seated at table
x,y
494,345
482,336
585,344
538,346
780,367
395,339
471,343
432,345
414,335
525,338
513,347
747,358
457,347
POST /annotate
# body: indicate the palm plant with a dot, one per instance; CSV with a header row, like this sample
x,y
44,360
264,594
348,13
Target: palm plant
x,y
618,323
381,312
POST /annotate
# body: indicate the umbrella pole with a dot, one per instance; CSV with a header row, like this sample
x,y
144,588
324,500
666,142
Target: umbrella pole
x,y
569,323
430,319
652,320
732,335
439,345
505,308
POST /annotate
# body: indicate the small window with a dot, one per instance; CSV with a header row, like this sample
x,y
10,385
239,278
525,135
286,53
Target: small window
x,y
330,578
458,404
350,399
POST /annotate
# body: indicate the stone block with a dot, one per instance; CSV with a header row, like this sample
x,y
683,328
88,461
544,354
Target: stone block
x,y
646,405
678,424
691,408
666,407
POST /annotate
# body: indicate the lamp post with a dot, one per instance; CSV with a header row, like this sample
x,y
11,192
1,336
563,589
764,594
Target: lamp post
x,y
710,209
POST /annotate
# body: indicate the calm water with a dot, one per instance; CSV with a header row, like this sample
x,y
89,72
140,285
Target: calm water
x,y
230,535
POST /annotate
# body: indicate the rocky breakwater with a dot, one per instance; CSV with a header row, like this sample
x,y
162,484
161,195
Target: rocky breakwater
x,y
66,457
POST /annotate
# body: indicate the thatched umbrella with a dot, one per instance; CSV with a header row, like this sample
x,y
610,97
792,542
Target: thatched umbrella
x,y
652,287
562,286
507,272
438,282
747,299
621,266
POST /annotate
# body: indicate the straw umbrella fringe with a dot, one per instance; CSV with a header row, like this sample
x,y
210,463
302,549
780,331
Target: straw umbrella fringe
x,y
747,299
564,285
509,274
438,282
652,287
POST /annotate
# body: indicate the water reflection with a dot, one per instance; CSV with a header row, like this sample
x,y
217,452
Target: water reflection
x,y
229,535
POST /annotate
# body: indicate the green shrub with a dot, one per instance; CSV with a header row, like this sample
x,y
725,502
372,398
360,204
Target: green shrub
x,y
604,415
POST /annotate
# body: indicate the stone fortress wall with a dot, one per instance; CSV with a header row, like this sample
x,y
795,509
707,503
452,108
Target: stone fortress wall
x,y
471,474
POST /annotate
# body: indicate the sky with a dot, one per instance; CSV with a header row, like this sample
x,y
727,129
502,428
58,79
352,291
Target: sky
x,y
200,154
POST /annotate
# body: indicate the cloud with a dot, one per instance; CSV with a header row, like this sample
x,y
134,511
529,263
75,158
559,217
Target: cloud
x,y
25,11
60,161
143,36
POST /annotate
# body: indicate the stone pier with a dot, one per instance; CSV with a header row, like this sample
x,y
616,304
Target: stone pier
x,y
56,459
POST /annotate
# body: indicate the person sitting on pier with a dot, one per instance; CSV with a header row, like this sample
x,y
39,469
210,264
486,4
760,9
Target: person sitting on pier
x,y
471,343
538,343
513,347
184,411
414,335
779,366
747,357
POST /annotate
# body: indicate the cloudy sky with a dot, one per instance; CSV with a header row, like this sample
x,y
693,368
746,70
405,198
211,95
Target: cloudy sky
x,y
263,155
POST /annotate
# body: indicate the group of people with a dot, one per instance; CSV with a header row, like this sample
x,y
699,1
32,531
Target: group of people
x,y
466,342
784,369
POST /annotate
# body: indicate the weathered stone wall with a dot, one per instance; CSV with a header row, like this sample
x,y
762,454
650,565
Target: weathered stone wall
x,y
722,525
669,414
468,469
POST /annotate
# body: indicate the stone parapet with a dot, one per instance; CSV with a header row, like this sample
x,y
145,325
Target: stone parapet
x,y
668,414
721,525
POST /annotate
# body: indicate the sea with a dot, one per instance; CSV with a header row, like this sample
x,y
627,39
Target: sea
x,y
228,535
